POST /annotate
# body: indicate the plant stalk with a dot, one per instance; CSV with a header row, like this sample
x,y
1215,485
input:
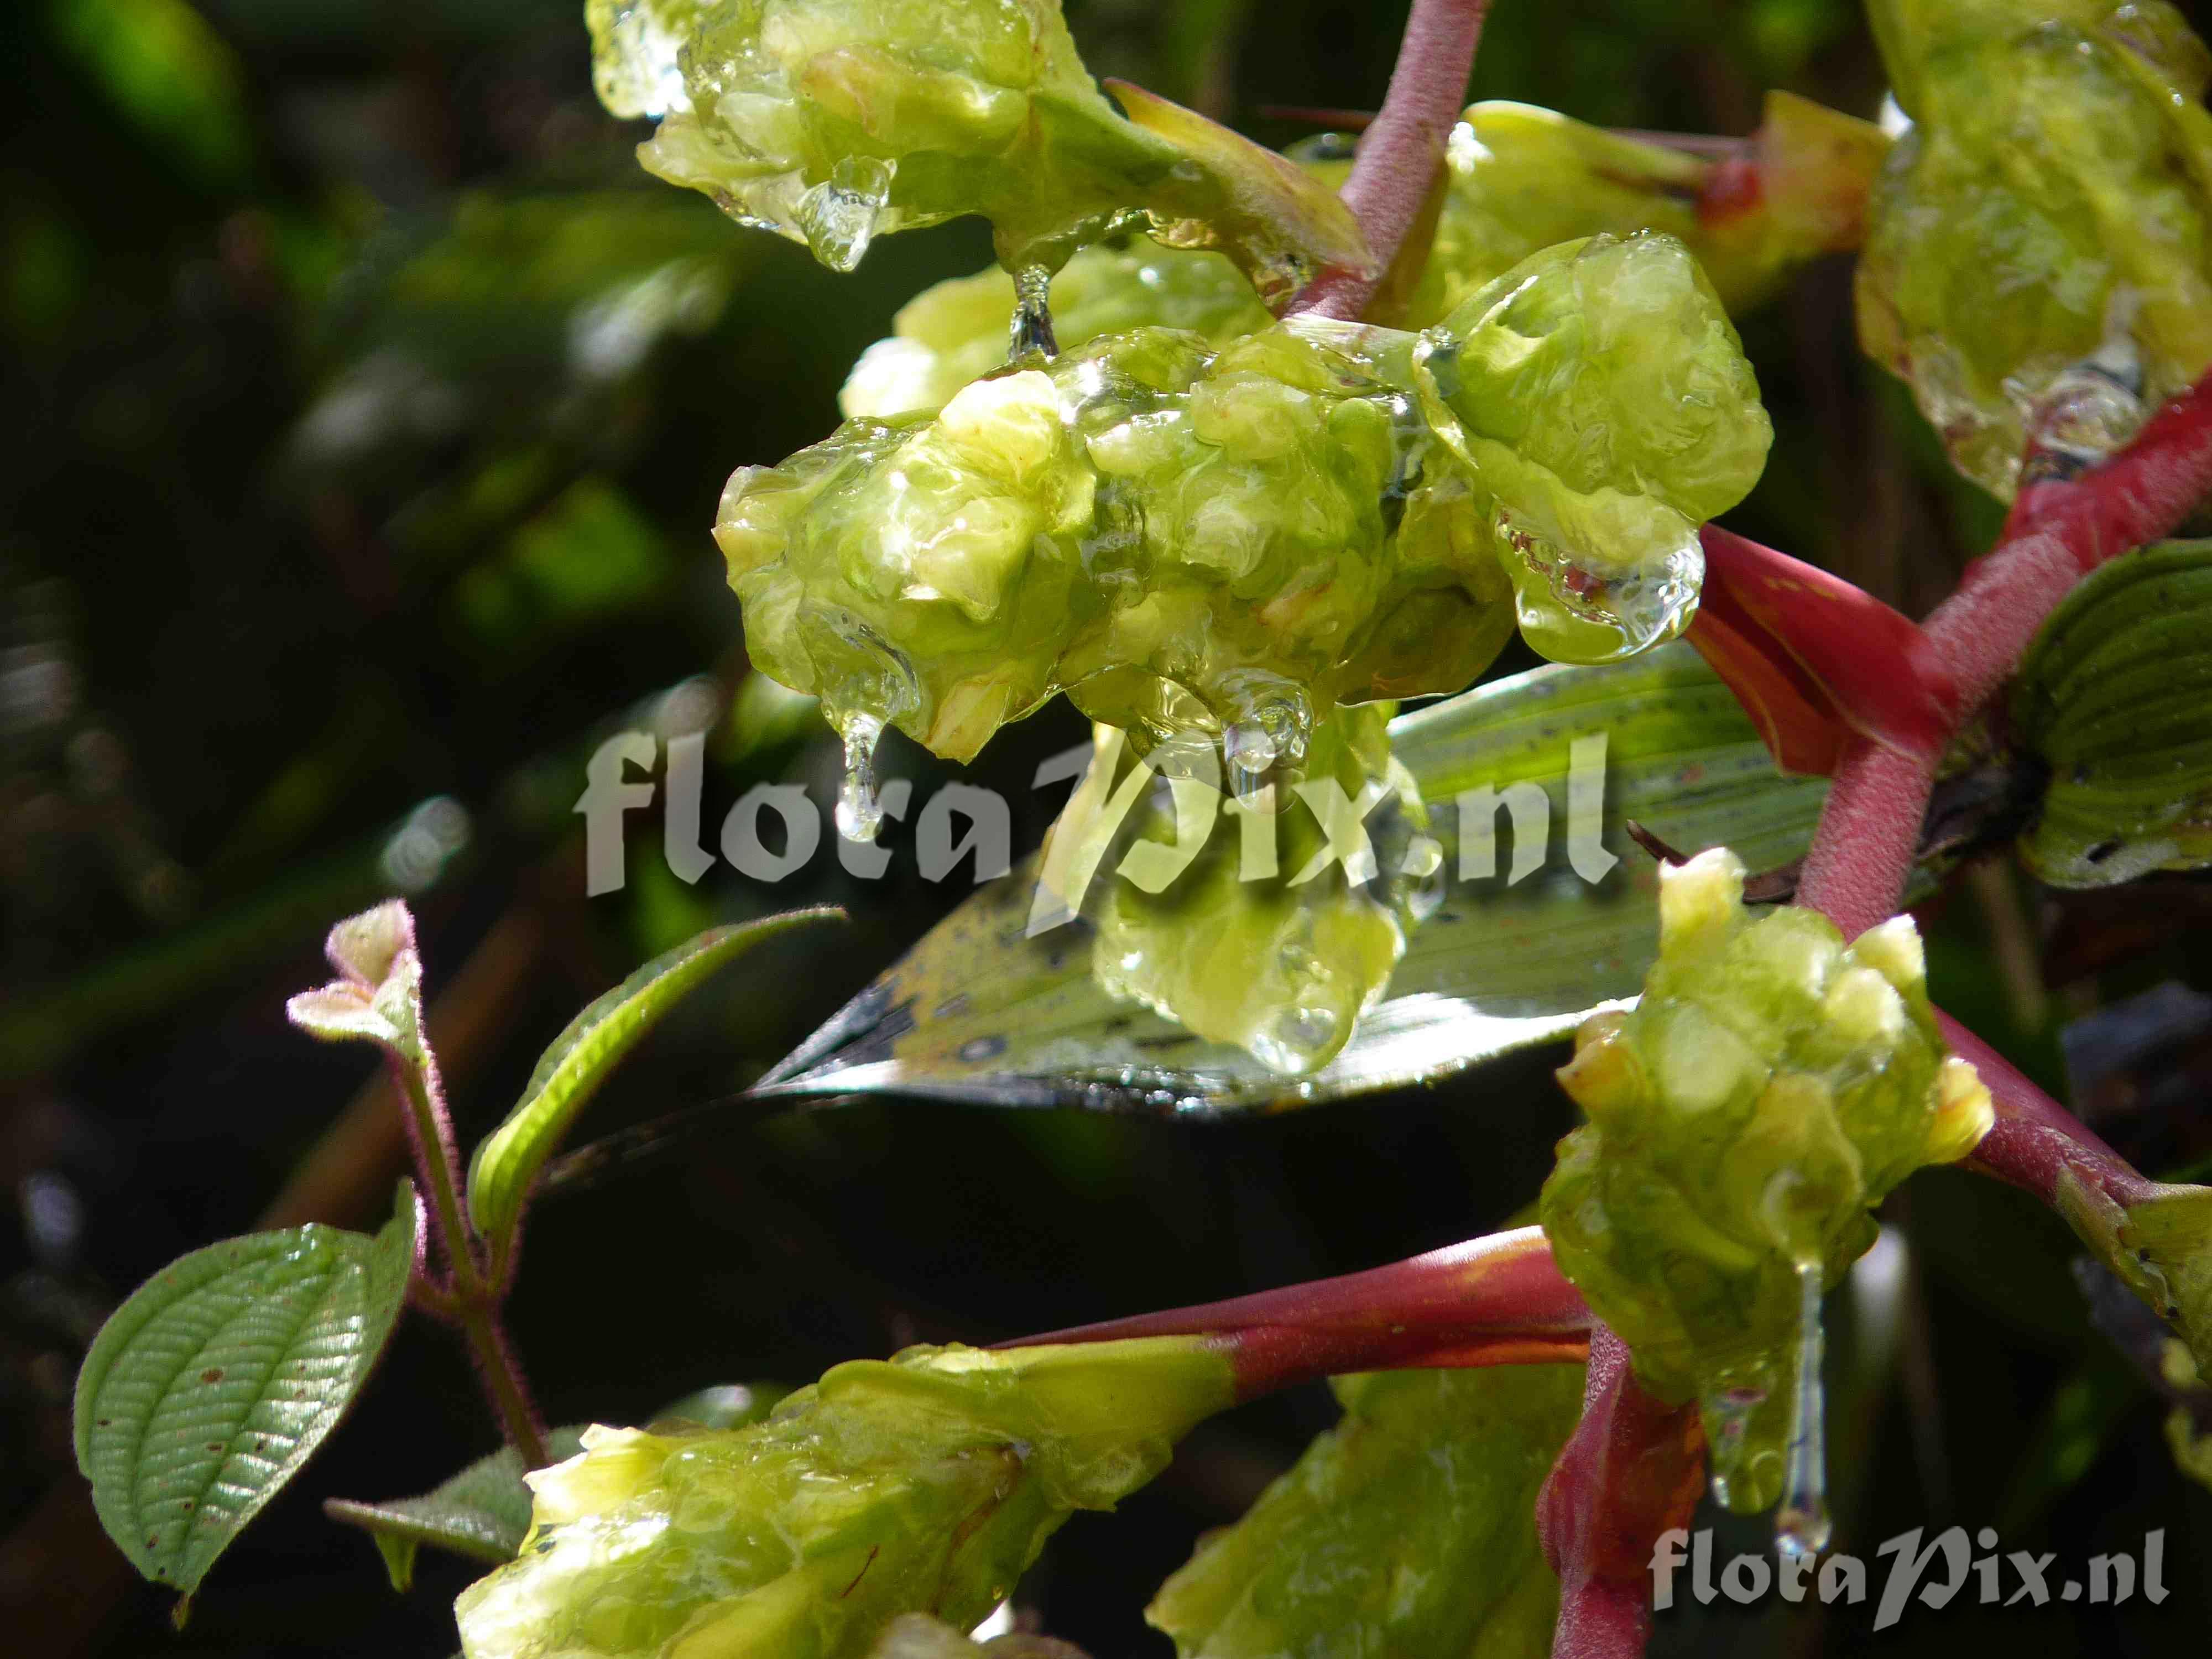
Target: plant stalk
x,y
1402,150
1855,870
500,1371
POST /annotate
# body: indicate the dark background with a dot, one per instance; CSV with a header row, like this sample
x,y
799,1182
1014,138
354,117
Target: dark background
x,y
340,491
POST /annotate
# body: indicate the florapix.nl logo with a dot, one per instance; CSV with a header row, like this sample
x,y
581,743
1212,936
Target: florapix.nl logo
x,y
1933,1571
773,831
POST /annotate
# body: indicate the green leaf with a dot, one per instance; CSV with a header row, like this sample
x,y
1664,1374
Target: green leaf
x,y
928,1481
1408,1528
507,1160
482,1513
2111,699
213,1384
977,1011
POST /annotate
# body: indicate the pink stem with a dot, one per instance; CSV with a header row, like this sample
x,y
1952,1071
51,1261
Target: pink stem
x,y
2036,1140
1403,148
1634,1468
1855,870
1500,1300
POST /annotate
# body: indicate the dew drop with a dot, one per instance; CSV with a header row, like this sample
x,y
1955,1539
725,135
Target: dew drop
x,y
1728,1416
2091,408
1801,1525
859,813
1562,601
1297,1038
839,216
1031,327
1249,749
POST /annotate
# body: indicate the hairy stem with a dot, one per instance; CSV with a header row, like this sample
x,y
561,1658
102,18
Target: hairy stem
x,y
437,1169
500,1371
1855,870
1403,148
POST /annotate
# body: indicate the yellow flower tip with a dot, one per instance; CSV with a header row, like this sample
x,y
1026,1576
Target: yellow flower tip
x,y
1604,1078
1699,901
1964,1112
614,1466
1862,1006
1007,428
1893,950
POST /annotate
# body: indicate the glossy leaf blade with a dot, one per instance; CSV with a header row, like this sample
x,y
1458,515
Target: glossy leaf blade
x,y
572,1068
215,1382
979,1012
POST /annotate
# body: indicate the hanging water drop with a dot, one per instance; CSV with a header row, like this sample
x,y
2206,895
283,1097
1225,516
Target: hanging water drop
x,y
859,813
839,216
2094,407
1573,612
1801,1525
1728,1428
1031,327
1250,754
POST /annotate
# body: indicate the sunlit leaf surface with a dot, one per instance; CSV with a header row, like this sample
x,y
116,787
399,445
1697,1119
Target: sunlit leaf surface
x,y
979,1012
210,1388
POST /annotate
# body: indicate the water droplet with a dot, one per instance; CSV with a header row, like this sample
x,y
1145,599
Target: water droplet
x,y
1250,752
1031,328
1801,1525
1268,722
1296,1039
859,813
1572,612
2091,408
1728,1417
839,216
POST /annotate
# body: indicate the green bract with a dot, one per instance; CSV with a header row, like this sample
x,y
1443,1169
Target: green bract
x,y
1521,179
1603,401
2056,188
1318,513
1254,930
956,332
1406,1530
1183,540
928,1481
1771,1087
830,121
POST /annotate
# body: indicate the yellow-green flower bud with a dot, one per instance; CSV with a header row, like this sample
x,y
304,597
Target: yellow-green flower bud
x,y
1771,1087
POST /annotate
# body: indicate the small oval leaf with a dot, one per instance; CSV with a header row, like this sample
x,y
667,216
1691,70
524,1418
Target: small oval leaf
x,y
509,1159
213,1384
482,1513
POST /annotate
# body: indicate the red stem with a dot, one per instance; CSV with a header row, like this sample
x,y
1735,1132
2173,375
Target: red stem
x,y
1634,1468
2036,1140
1855,870
1500,1300
1403,148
